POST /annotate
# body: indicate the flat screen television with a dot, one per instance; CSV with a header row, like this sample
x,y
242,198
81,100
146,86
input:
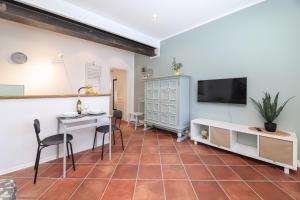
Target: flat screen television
x,y
233,90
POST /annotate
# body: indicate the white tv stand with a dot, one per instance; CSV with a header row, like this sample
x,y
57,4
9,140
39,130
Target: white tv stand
x,y
275,149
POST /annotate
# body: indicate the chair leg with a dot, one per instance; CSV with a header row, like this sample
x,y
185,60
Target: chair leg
x,y
36,158
95,138
37,165
102,146
114,137
72,156
122,139
68,151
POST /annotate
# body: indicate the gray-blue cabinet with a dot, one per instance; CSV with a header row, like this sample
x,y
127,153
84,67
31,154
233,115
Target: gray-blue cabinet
x,y
167,101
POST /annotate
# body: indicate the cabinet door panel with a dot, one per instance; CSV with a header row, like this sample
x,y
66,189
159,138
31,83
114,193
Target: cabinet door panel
x,y
172,94
276,150
156,85
173,109
156,105
149,94
220,137
173,85
149,105
149,115
173,120
164,107
164,94
164,84
164,89
164,118
149,85
155,94
155,116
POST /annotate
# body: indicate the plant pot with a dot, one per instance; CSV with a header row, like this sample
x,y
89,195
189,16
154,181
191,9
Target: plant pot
x,y
177,72
271,127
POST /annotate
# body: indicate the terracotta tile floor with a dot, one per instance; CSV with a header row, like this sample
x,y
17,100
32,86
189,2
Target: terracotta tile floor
x,y
155,166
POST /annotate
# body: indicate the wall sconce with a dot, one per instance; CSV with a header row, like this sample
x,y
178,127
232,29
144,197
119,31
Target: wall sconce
x,y
59,58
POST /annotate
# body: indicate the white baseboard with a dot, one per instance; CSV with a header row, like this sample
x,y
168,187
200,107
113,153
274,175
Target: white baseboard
x,y
23,166
30,164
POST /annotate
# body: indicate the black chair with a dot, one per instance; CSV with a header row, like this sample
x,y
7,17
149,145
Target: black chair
x,y
117,115
49,141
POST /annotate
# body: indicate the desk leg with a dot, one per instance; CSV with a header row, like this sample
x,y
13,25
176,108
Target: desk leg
x,y
57,146
109,138
64,152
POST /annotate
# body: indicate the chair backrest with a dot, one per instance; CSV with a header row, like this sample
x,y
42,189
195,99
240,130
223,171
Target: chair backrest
x,y
117,114
37,128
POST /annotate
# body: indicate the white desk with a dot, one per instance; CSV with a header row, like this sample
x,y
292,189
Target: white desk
x,y
71,124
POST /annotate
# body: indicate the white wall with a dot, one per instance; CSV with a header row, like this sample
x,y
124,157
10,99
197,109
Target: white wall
x,y
40,75
18,143
261,43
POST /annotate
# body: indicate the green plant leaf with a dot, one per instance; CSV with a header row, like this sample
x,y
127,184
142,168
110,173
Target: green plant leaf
x,y
282,106
267,108
259,106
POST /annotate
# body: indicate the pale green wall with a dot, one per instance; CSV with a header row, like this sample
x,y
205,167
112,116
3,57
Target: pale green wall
x,y
261,43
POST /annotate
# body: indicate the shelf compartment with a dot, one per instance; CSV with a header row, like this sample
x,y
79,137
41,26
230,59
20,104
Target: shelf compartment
x,y
244,143
196,129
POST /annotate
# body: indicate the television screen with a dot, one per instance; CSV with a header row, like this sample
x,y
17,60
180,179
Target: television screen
x,y
232,90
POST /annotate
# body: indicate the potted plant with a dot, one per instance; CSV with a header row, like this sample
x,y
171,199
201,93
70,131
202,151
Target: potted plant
x,y
176,67
270,110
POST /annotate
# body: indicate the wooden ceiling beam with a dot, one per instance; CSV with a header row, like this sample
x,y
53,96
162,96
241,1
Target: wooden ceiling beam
x,y
25,14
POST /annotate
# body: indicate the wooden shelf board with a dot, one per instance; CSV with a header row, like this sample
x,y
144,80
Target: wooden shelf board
x,y
51,96
244,149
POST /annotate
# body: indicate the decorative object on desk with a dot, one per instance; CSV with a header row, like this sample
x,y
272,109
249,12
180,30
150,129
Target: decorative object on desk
x,y
95,112
69,114
78,106
204,134
18,58
79,103
176,67
269,110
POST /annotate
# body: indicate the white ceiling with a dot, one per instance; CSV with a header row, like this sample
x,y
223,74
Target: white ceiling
x,y
133,19
173,16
